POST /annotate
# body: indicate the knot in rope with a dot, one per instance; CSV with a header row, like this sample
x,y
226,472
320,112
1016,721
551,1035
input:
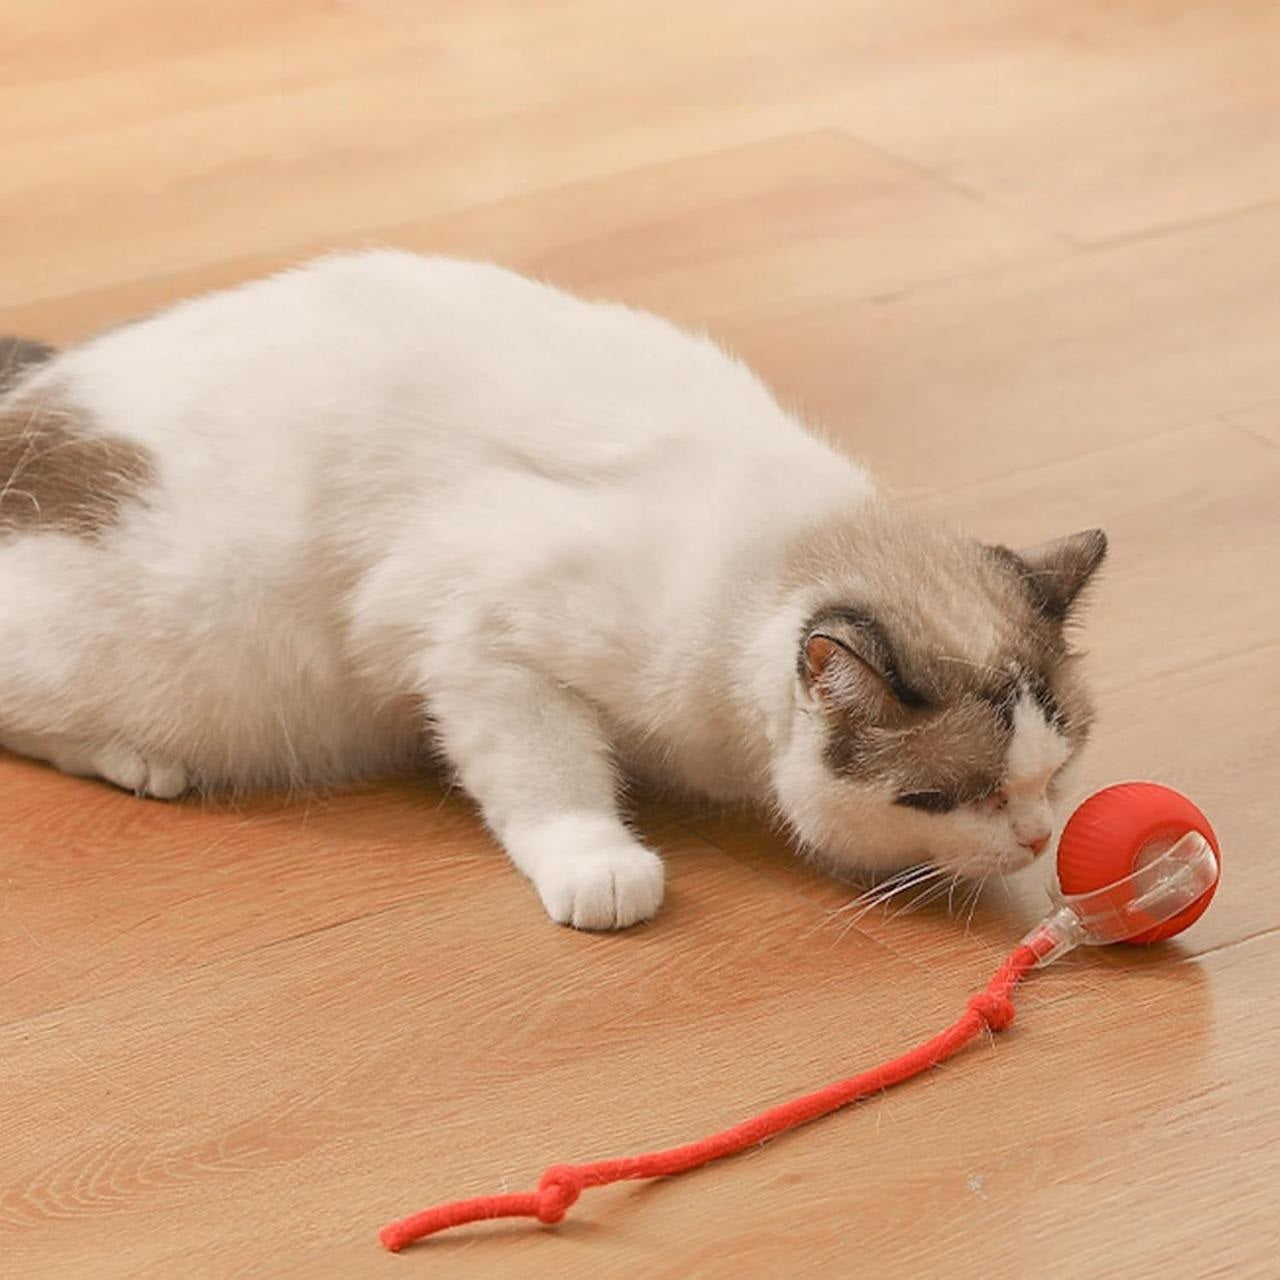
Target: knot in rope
x,y
995,1010
559,1187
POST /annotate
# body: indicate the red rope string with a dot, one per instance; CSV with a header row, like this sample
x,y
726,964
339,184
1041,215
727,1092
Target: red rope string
x,y
562,1184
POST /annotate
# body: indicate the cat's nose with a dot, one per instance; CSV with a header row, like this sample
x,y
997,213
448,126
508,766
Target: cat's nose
x,y
1035,842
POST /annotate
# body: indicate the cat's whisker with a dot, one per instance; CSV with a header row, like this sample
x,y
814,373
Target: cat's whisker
x,y
904,886
879,895
887,889
973,902
931,894
951,893
866,895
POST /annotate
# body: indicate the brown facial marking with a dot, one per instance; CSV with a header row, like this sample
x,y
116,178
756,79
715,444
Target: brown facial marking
x,y
958,750
56,475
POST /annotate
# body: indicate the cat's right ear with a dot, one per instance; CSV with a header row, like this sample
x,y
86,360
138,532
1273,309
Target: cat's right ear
x,y
846,665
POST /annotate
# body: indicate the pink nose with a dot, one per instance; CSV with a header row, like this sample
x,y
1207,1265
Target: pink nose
x,y
1035,843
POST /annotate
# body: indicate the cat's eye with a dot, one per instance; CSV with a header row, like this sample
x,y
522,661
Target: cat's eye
x,y
993,801
927,801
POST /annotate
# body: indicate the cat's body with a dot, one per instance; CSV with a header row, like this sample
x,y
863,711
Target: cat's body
x,y
384,504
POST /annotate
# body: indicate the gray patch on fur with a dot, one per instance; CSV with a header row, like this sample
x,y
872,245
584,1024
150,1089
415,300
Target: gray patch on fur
x,y
58,475
17,355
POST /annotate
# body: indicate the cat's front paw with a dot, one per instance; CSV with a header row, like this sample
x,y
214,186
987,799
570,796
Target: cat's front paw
x,y
131,771
601,886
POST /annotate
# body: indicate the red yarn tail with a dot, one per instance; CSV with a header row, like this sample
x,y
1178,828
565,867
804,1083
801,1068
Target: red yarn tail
x,y
562,1184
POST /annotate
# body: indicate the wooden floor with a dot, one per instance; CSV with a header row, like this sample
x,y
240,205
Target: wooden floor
x,y
1025,258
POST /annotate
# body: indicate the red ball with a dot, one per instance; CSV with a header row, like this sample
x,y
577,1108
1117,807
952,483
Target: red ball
x,y
1103,838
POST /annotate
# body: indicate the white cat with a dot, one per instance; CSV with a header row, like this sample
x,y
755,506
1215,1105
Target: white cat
x,y
320,525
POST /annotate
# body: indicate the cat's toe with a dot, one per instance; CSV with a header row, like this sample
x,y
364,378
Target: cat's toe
x,y
131,771
607,888
166,781
121,766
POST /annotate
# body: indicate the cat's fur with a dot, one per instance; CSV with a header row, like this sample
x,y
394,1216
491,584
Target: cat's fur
x,y
382,504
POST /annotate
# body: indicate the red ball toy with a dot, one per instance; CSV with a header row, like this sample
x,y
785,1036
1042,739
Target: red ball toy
x,y
1112,834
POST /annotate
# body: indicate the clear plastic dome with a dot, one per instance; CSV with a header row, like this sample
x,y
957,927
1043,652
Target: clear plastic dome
x,y
1169,876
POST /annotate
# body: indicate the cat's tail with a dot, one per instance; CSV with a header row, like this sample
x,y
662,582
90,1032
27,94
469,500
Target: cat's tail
x,y
17,355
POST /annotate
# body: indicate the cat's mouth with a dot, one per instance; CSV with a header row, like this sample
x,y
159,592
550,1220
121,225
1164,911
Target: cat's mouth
x,y
1016,862
1001,864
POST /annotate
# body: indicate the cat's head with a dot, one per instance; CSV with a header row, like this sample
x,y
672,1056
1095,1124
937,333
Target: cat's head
x,y
937,701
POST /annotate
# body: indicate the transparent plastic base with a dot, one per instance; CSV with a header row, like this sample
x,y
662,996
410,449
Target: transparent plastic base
x,y
1169,877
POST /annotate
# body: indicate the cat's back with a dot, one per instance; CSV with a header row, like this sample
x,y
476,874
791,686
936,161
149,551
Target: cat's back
x,y
418,352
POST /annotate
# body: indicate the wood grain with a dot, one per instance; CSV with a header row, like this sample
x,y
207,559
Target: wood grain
x,y
1023,259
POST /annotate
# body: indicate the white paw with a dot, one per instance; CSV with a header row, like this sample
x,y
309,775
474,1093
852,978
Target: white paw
x,y
132,772
602,886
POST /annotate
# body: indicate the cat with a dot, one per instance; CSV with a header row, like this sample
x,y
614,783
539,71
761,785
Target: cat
x,y
384,506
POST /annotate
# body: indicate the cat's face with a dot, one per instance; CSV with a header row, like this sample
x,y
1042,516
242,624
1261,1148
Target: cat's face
x,y
939,706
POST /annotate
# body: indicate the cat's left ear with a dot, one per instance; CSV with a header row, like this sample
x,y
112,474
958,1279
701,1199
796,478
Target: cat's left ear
x,y
1057,572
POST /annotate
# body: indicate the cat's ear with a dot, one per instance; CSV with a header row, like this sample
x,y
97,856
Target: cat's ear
x,y
1057,572
847,663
